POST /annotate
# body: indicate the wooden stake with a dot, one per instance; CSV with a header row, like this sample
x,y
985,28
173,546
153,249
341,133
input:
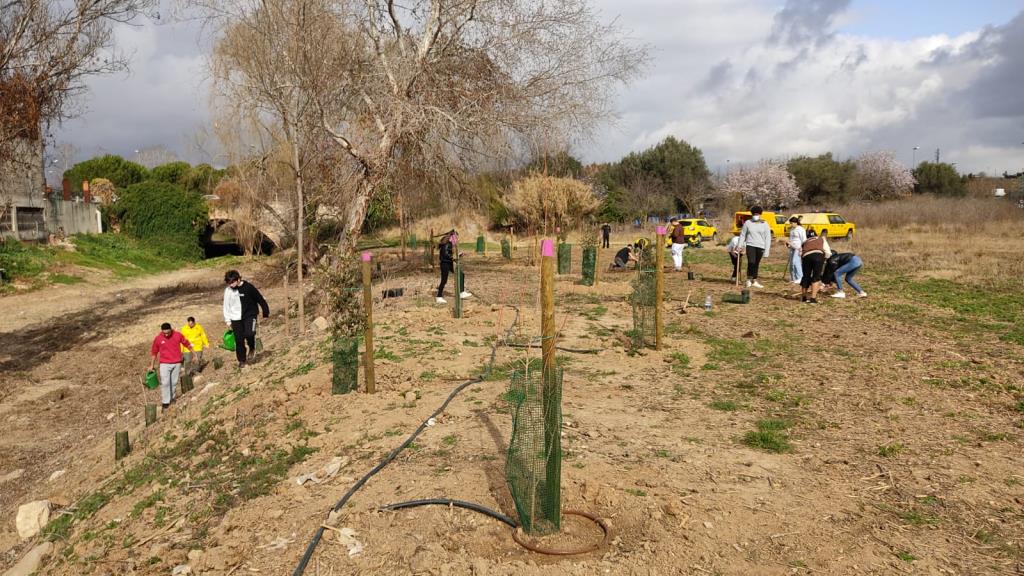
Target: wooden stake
x,y
371,386
150,414
121,445
552,431
287,307
401,224
659,288
430,244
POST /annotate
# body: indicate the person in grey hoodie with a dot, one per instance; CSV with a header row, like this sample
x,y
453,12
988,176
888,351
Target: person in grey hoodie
x,y
756,238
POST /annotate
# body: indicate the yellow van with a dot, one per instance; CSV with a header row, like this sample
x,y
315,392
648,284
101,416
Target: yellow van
x,y
777,222
827,224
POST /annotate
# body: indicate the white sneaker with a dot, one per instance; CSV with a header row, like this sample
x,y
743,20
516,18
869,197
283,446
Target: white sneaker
x,y
757,284
839,295
797,282
466,294
747,284
862,294
440,300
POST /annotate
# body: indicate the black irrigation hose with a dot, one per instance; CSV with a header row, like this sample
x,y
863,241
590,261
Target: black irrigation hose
x,y
456,503
308,554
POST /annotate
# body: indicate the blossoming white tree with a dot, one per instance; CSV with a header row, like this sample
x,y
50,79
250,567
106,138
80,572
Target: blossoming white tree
x,y
879,176
767,183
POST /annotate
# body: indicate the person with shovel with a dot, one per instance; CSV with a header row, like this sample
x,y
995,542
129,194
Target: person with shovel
x,y
756,239
733,248
167,348
242,305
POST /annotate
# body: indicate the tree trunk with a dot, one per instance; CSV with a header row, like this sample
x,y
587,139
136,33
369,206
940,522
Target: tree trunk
x,y
356,214
300,224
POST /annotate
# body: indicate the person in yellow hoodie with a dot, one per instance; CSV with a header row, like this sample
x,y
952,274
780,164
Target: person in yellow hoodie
x,y
194,333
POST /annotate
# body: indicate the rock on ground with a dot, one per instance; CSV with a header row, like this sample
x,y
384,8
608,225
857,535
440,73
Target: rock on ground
x,y
32,517
30,562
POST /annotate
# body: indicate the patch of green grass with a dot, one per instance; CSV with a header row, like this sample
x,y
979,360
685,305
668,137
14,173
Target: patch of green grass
x,y
890,450
662,454
768,441
304,368
724,405
594,314
384,354
770,436
906,556
708,366
65,279
917,517
636,492
450,440
680,363
146,503
122,255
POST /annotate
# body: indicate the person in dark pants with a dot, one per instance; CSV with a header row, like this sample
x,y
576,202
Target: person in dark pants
x,y
242,304
606,235
814,252
756,238
447,250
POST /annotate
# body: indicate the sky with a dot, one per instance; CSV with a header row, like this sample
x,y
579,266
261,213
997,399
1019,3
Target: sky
x,y
743,80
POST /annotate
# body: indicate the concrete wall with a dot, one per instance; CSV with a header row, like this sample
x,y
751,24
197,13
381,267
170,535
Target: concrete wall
x,y
76,217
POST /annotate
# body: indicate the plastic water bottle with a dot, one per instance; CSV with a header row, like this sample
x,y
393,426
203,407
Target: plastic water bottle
x,y
707,303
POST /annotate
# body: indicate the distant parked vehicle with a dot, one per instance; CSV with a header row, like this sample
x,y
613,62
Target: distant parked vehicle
x,y
777,222
827,224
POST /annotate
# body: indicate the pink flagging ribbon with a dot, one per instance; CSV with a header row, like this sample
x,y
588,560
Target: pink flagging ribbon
x,y
661,230
547,248
366,256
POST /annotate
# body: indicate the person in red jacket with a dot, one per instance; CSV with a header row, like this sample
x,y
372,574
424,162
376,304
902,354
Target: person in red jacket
x,y
167,349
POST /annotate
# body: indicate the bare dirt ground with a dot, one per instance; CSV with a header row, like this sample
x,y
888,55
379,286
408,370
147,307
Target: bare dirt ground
x,y
899,449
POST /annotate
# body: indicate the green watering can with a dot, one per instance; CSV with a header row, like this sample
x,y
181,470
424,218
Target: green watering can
x,y
151,380
229,340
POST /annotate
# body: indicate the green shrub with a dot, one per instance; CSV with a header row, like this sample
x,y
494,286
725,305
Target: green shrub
x,y
165,216
172,172
119,171
22,260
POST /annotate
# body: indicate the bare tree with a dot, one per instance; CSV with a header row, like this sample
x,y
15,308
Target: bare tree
x,y
646,194
47,50
153,156
445,81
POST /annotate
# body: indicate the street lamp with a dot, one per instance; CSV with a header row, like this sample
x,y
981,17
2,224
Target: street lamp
x,y
914,153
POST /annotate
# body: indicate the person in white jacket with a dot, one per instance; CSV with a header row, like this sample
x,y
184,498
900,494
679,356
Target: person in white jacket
x,y
797,237
756,239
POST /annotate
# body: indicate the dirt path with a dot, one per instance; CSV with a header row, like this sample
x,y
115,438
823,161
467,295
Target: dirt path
x,y
39,306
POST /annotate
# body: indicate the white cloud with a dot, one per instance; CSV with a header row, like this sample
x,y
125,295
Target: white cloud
x,y
715,80
743,97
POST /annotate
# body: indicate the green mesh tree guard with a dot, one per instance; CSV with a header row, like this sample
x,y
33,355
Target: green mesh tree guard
x,y
564,258
589,265
345,361
533,466
642,300
506,250
413,243
481,244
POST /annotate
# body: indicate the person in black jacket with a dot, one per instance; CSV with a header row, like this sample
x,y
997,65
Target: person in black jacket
x,y
242,304
447,251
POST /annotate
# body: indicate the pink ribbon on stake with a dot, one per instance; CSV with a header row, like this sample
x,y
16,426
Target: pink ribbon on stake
x,y
366,256
547,248
661,230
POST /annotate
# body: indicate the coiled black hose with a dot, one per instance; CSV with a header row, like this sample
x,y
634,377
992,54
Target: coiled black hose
x,y
318,535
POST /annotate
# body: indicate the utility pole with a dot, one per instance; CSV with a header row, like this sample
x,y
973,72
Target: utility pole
x,y
936,155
